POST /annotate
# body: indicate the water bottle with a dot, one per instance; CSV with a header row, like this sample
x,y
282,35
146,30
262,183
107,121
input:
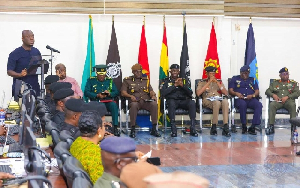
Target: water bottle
x,y
2,116
295,137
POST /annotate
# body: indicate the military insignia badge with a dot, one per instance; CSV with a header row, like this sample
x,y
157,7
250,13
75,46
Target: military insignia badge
x,y
238,85
132,90
113,70
170,84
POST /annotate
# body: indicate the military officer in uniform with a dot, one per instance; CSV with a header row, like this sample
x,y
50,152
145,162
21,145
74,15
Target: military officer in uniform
x,y
178,95
60,97
141,96
284,92
211,87
103,89
246,91
73,110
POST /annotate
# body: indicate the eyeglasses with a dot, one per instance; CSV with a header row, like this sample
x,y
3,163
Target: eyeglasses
x,y
134,159
285,73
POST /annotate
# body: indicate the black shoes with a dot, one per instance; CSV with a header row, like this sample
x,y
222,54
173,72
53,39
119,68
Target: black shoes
x,y
173,128
251,130
225,131
116,131
244,129
193,132
154,132
132,132
233,129
270,130
213,130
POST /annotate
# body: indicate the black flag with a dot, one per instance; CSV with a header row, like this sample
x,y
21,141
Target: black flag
x,y
113,60
184,60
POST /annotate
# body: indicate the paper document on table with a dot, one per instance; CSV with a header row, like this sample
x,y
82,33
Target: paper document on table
x,y
148,155
215,98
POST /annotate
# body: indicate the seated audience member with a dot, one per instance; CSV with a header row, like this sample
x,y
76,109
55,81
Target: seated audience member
x,y
86,147
284,92
246,90
178,95
177,179
211,87
48,81
116,152
53,88
139,171
61,73
104,90
138,90
73,110
60,97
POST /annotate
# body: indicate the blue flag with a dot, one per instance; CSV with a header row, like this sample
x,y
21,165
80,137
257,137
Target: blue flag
x,y
90,57
250,55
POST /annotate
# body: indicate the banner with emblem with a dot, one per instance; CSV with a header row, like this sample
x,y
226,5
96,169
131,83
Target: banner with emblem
x,y
250,54
143,54
163,71
113,59
90,56
184,59
212,58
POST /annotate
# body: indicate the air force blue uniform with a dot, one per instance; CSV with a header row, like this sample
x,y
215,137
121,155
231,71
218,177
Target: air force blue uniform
x,y
246,87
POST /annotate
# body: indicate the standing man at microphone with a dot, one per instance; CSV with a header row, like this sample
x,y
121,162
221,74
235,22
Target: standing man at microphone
x,y
20,60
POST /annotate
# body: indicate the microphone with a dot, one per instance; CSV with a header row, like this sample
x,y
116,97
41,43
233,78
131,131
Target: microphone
x,y
50,48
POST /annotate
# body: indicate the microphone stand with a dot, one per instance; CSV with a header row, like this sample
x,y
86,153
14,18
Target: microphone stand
x,y
51,57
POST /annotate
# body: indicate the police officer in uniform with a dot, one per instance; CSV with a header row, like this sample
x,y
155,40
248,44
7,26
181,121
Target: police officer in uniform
x,y
73,110
53,88
246,90
178,95
103,89
141,96
212,87
284,92
60,97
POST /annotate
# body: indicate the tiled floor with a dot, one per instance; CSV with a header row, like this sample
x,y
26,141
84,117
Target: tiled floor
x,y
239,161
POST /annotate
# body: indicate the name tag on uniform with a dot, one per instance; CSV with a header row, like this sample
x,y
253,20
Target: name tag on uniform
x,y
170,84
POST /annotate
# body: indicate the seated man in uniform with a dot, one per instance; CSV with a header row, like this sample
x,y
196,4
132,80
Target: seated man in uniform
x,y
48,81
53,88
62,73
141,96
73,110
178,95
60,97
103,89
116,152
212,87
246,91
284,92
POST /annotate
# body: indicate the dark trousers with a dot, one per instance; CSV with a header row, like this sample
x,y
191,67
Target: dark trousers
x,y
136,106
187,104
254,104
113,108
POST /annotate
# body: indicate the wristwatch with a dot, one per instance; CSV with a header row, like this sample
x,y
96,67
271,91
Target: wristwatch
x,y
253,95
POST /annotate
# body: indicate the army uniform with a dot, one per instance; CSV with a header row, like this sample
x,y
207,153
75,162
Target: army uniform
x,y
94,86
178,97
246,87
282,89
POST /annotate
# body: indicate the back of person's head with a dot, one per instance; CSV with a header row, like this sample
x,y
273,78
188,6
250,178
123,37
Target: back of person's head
x,y
89,123
95,106
176,179
132,175
73,109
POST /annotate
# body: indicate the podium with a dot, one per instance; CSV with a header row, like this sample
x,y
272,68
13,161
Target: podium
x,y
40,68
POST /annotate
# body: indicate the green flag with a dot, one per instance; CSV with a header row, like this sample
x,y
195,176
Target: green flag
x,y
90,57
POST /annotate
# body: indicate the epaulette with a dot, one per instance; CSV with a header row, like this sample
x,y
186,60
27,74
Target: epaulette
x,y
108,78
127,78
145,78
93,77
292,80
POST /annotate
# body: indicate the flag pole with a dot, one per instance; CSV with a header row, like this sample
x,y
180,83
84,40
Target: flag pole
x,y
183,14
214,20
250,20
164,21
144,20
113,18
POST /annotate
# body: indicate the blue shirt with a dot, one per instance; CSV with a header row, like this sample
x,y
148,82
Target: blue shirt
x,y
245,87
20,59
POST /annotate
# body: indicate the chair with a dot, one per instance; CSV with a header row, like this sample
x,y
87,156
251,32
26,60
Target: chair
x,y
203,110
236,110
80,182
66,137
51,128
73,169
278,111
61,153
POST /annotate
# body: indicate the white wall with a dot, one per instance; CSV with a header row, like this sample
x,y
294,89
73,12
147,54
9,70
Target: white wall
x,y
277,42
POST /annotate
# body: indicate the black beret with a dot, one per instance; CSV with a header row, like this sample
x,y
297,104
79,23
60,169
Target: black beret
x,y
284,69
174,66
63,93
75,105
210,69
118,145
95,106
60,85
51,79
245,68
